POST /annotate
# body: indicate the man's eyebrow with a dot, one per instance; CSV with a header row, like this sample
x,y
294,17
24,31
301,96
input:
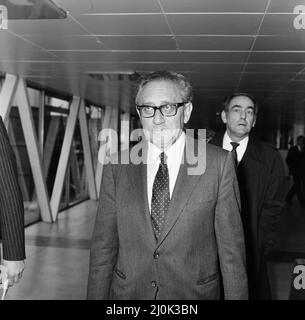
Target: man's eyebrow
x,y
239,106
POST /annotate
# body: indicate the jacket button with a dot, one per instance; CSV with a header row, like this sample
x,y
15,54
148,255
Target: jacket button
x,y
154,284
156,255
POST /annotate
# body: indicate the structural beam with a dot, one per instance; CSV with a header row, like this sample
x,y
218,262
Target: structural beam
x,y
6,96
64,156
31,142
50,144
41,121
87,151
99,166
74,170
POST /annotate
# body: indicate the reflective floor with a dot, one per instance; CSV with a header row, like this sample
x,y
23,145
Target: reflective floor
x,y
58,254
290,246
57,257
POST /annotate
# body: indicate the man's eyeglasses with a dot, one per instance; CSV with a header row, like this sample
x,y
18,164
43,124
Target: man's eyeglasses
x,y
167,110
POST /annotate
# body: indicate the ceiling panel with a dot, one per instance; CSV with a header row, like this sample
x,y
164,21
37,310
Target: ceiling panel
x,y
12,54
139,42
125,6
273,67
11,42
261,83
75,6
271,76
46,27
214,43
284,5
281,42
125,24
62,42
105,56
272,57
279,24
214,5
109,6
152,57
300,76
287,95
221,57
296,86
215,24
208,75
216,83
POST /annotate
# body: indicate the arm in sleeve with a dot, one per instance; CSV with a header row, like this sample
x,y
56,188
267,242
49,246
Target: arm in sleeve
x,y
229,234
11,202
273,204
104,247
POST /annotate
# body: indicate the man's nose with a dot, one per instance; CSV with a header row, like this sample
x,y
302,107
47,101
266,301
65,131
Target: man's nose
x,y
158,117
243,115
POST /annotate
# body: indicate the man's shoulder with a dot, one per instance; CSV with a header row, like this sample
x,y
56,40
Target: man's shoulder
x,y
263,146
215,150
266,152
217,139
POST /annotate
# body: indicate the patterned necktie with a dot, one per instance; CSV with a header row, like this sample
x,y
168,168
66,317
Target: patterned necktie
x,y
160,197
235,145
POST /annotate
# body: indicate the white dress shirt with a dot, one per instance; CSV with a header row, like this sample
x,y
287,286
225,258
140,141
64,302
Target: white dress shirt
x,y
241,149
174,155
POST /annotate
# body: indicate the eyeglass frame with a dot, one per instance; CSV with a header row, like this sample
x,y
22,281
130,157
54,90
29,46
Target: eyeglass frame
x,y
176,105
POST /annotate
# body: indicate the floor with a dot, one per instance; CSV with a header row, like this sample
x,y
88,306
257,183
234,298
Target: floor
x,y
57,257
290,246
58,254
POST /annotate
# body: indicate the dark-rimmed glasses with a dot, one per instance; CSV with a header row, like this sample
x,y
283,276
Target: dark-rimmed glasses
x,y
167,110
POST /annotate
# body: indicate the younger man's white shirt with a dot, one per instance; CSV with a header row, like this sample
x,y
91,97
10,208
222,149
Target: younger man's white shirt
x,y
241,149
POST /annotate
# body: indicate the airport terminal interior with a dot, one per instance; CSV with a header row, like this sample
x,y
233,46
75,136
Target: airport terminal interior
x,y
68,70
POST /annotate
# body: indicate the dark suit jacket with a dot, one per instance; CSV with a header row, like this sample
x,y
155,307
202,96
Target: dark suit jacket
x,y
260,175
201,242
11,203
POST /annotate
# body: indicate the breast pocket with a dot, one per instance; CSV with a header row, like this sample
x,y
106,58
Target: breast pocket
x,y
205,205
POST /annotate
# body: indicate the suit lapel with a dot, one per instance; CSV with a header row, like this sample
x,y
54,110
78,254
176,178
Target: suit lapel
x,y
137,175
252,157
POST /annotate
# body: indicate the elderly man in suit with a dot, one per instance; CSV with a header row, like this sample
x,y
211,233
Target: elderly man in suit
x,y
260,176
161,232
11,211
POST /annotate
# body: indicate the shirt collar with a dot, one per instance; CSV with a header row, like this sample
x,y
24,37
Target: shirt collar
x,y
227,142
173,153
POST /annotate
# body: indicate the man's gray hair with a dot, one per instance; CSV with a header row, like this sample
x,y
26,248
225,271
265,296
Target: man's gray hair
x,y
182,82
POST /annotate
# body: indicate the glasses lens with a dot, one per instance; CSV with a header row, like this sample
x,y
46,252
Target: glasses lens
x,y
147,111
169,109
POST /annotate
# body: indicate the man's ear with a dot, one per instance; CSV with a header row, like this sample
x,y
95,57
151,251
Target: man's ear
x,y
223,116
254,122
187,110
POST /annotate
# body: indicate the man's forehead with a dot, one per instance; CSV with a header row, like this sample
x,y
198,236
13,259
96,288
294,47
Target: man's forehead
x,y
158,89
241,101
